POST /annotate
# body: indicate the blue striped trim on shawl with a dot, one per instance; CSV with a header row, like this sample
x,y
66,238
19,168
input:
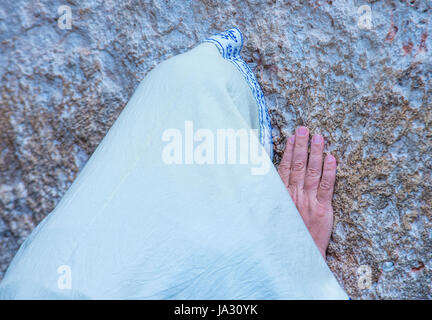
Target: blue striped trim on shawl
x,y
230,44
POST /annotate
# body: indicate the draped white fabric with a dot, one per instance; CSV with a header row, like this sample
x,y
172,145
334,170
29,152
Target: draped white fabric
x,y
133,226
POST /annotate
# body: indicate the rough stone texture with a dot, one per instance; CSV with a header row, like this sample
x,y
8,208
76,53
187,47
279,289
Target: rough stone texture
x,y
368,91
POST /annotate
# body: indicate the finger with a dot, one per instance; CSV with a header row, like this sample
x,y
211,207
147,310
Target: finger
x,y
314,167
285,164
326,186
299,158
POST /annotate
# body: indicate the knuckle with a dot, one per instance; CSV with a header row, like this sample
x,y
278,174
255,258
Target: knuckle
x,y
317,153
298,165
285,166
301,143
325,185
313,172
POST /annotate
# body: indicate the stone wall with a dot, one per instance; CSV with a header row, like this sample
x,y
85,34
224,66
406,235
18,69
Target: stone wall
x,y
366,87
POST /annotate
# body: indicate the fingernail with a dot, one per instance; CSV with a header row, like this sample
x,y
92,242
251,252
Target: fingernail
x,y
302,131
317,138
292,139
330,159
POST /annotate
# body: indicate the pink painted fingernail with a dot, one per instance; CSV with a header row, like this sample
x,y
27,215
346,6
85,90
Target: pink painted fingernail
x,y
302,131
317,138
292,139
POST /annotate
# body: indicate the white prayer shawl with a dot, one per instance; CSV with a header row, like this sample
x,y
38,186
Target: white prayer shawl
x,y
133,225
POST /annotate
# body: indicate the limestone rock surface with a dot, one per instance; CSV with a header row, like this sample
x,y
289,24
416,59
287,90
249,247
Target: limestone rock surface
x,y
365,84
